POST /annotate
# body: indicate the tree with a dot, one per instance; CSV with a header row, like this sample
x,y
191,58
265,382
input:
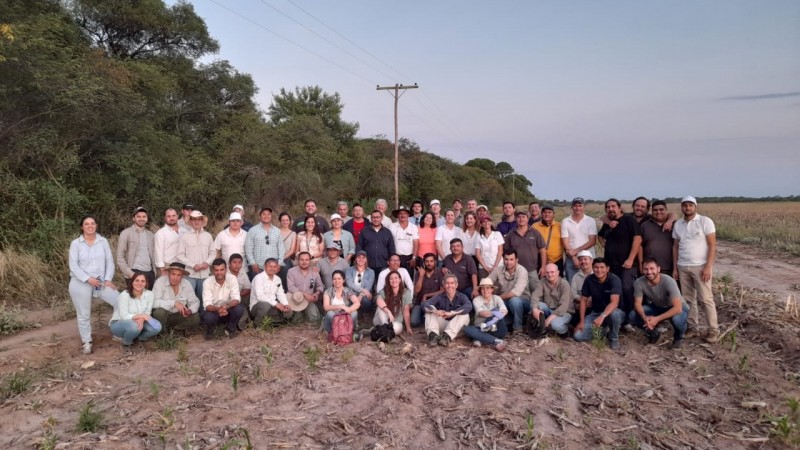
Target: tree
x,y
313,101
144,28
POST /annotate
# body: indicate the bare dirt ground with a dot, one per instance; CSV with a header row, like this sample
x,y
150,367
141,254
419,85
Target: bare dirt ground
x,y
262,387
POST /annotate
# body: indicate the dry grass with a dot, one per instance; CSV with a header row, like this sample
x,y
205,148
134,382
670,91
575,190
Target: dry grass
x,y
26,279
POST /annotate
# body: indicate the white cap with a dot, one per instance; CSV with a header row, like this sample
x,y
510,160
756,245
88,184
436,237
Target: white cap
x,y
335,216
690,199
235,207
235,216
586,253
435,202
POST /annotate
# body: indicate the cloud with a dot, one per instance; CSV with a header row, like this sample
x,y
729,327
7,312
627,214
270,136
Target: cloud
x,y
763,96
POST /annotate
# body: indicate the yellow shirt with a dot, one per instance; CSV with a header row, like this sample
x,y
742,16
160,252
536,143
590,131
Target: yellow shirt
x,y
555,249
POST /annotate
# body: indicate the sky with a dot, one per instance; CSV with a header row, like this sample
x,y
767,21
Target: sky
x,y
587,98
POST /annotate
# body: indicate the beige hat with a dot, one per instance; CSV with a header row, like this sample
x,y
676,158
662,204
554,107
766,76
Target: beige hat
x,y
198,215
297,306
486,282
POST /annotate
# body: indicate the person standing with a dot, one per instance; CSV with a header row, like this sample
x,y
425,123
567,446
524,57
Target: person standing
x,y
231,240
622,244
578,233
311,210
535,213
694,253
183,222
657,242
357,223
530,247
344,211
509,220
550,229
264,241
136,249
446,233
489,251
406,238
196,252
378,242
91,269
166,242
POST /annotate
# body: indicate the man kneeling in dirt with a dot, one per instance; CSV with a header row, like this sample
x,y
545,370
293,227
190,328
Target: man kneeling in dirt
x,y
447,313
267,298
175,304
656,298
552,301
603,289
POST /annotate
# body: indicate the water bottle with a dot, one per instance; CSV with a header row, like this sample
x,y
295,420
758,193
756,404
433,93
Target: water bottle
x,y
97,289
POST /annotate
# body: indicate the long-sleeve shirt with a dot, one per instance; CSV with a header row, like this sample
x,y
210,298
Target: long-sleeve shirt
x,y
87,261
479,304
135,250
219,294
165,297
505,282
196,247
359,284
128,307
267,290
346,243
460,304
307,282
256,248
326,269
166,246
379,245
558,298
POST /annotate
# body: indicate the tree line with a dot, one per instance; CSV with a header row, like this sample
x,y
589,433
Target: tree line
x,y
106,105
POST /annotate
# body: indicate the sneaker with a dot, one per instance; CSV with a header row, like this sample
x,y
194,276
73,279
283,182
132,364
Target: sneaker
x,y
690,333
653,336
476,343
677,343
444,341
116,338
357,336
86,348
614,345
433,339
208,337
712,337
500,346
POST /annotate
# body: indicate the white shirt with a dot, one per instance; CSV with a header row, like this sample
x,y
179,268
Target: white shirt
x,y
381,282
404,238
470,242
489,246
267,290
228,244
446,235
244,281
692,244
166,246
578,232
386,221
218,295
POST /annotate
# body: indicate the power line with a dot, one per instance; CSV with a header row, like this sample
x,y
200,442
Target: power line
x,y
292,42
327,40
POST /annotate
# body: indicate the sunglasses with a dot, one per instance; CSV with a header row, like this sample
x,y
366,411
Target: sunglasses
x,y
266,238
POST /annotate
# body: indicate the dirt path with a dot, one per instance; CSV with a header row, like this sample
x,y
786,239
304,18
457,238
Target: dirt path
x,y
553,393
754,268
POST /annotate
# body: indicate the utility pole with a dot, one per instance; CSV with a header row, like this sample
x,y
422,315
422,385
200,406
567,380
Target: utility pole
x,y
397,88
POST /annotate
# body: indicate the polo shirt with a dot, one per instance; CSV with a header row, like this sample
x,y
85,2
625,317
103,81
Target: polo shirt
x,y
527,247
227,244
430,283
404,238
619,240
693,247
600,293
657,243
578,233
463,269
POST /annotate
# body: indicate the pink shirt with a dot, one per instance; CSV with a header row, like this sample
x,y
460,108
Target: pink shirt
x,y
427,241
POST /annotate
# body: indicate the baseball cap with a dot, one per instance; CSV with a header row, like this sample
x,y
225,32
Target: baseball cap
x,y
586,253
548,207
235,216
435,202
188,206
577,200
335,216
235,207
689,199
140,209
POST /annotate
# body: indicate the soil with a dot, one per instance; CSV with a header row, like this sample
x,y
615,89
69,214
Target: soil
x,y
550,393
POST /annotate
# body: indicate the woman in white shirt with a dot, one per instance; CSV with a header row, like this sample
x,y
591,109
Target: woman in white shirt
x,y
470,233
489,250
132,319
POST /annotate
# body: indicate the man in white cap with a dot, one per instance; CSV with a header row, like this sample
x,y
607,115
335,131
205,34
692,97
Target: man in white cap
x,y
304,288
136,249
436,209
196,251
175,304
245,223
584,270
231,240
694,253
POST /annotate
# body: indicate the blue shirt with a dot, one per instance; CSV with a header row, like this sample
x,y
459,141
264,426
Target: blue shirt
x,y
87,261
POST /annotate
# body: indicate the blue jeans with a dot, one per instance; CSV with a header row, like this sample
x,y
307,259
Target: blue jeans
x,y
366,304
560,324
327,321
128,330
569,268
484,338
679,321
613,321
211,319
467,292
197,285
417,316
518,307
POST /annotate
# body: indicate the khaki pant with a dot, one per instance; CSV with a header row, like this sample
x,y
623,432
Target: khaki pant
x,y
312,311
695,290
437,325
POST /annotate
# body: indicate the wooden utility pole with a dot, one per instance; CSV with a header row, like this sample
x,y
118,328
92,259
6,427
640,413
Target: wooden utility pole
x,y
397,88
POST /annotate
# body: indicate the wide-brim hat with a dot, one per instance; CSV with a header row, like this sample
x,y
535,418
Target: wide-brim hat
x,y
178,266
296,306
198,215
398,210
486,282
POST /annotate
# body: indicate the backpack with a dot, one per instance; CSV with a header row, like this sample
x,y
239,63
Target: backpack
x,y
382,333
533,327
341,329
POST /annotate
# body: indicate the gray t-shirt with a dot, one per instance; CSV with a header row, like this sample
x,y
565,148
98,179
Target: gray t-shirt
x,y
660,295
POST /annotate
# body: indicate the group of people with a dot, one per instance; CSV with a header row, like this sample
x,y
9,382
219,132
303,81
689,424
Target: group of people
x,y
453,272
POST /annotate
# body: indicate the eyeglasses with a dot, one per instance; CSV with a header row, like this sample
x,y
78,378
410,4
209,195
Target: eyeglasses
x,y
266,238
